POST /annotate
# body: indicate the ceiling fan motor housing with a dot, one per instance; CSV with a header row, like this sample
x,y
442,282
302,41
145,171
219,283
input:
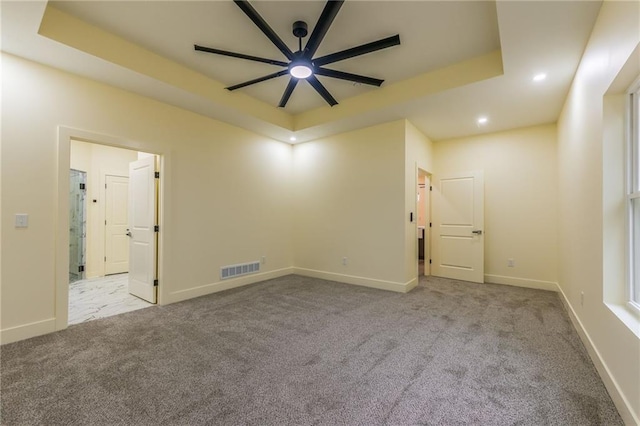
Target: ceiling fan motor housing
x,y
300,29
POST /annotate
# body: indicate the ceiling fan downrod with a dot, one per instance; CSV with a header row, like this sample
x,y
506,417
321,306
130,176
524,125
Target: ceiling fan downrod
x,y
300,31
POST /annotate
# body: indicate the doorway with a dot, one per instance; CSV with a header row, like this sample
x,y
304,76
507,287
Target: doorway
x,y
104,288
424,222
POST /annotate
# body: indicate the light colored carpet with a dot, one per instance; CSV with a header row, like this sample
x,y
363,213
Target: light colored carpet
x,y
303,351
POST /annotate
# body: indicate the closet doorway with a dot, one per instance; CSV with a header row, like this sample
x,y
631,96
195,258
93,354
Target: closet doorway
x,y
424,222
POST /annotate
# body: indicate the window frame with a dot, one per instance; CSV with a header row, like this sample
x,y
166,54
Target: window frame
x,y
632,192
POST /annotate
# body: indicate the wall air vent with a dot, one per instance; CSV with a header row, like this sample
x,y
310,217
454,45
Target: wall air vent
x,y
232,271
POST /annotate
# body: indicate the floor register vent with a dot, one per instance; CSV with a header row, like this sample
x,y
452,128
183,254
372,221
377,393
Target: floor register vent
x,y
237,270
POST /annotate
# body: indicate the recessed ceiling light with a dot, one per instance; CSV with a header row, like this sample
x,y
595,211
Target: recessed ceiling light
x,y
539,77
482,120
292,139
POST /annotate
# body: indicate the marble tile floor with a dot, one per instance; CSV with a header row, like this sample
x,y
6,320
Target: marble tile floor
x,y
101,297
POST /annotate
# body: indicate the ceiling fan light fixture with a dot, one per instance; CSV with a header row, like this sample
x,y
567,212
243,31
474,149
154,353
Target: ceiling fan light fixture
x,y
300,69
302,64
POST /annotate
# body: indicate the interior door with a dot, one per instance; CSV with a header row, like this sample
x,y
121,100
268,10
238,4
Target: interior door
x,y
458,223
142,221
116,248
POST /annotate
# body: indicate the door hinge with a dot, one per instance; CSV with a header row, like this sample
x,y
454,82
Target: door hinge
x,y
157,175
156,228
429,224
430,188
82,186
105,258
429,261
81,268
155,283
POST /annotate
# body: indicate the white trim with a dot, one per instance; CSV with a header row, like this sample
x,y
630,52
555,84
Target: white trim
x,y
190,293
619,400
362,281
26,331
628,314
521,282
632,130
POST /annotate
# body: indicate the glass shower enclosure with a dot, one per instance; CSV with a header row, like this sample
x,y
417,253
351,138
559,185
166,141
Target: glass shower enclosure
x,y
77,224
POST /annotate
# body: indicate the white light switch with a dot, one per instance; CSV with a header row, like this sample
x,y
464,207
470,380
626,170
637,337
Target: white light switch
x,y
22,220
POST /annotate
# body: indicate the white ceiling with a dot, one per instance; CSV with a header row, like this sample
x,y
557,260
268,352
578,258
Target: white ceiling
x,y
536,36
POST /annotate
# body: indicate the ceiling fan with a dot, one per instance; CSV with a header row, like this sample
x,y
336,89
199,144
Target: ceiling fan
x,y
301,65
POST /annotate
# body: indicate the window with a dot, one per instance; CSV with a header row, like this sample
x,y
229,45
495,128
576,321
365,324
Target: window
x,y
633,197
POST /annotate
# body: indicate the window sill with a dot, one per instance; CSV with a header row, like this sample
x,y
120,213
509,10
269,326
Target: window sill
x,y
628,315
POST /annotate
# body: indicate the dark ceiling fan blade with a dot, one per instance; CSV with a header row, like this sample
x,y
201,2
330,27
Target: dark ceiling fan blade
x,y
322,26
258,80
313,81
264,27
348,76
358,50
288,91
240,55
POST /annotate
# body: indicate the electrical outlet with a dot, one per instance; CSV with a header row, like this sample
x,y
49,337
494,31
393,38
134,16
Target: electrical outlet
x,y
344,261
511,263
22,220
263,260
582,298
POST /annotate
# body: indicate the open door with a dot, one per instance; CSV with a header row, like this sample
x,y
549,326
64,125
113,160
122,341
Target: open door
x,y
142,230
458,223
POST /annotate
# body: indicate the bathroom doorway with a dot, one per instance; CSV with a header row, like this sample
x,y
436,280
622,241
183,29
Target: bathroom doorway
x,y
100,213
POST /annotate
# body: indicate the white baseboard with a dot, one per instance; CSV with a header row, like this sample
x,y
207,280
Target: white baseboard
x,y
362,281
26,331
178,296
621,403
521,282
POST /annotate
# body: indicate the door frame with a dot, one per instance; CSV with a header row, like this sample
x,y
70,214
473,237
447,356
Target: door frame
x,y
65,135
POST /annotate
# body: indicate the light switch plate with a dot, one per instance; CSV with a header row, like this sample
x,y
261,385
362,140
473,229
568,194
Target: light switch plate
x,y
22,220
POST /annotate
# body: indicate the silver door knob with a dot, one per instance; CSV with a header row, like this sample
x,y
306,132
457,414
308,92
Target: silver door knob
x,y
477,232
128,233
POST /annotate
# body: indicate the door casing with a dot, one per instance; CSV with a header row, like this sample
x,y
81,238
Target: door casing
x,y
65,135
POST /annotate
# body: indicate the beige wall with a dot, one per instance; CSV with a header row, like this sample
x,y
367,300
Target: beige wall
x,y
98,161
520,200
225,192
348,194
613,345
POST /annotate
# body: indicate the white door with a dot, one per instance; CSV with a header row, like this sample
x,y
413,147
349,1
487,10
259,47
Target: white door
x,y
458,223
142,221
116,250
